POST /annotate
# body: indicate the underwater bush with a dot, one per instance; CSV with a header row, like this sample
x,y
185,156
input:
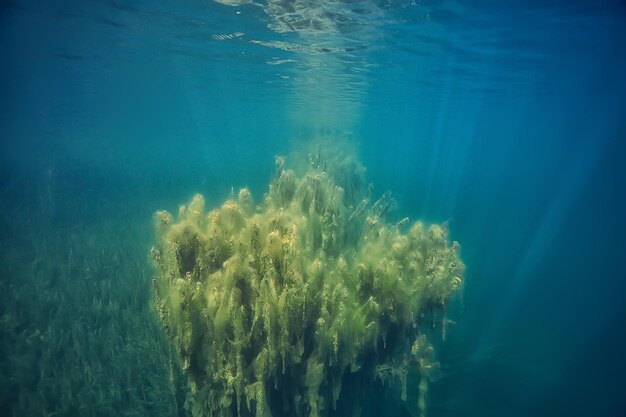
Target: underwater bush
x,y
298,306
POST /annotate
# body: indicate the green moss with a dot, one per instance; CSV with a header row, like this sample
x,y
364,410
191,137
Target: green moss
x,y
269,307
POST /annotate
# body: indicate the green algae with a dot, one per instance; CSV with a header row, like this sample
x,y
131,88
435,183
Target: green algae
x,y
270,308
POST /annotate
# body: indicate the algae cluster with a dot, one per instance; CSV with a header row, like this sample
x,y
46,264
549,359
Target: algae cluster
x,y
299,305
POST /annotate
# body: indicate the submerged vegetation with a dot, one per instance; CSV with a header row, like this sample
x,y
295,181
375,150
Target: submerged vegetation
x,y
302,304
77,334
298,306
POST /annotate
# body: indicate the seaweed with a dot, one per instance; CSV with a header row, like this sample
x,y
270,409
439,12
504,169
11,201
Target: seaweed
x,y
270,308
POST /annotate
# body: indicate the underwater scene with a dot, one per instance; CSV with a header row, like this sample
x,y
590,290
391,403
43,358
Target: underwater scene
x,y
299,208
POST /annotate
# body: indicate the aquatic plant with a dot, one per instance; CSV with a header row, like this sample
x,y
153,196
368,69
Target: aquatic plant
x,y
272,308
77,334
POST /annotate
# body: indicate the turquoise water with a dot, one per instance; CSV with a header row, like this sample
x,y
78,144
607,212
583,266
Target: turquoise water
x,y
507,120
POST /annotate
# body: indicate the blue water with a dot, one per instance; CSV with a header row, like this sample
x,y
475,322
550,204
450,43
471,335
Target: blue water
x,y
507,119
